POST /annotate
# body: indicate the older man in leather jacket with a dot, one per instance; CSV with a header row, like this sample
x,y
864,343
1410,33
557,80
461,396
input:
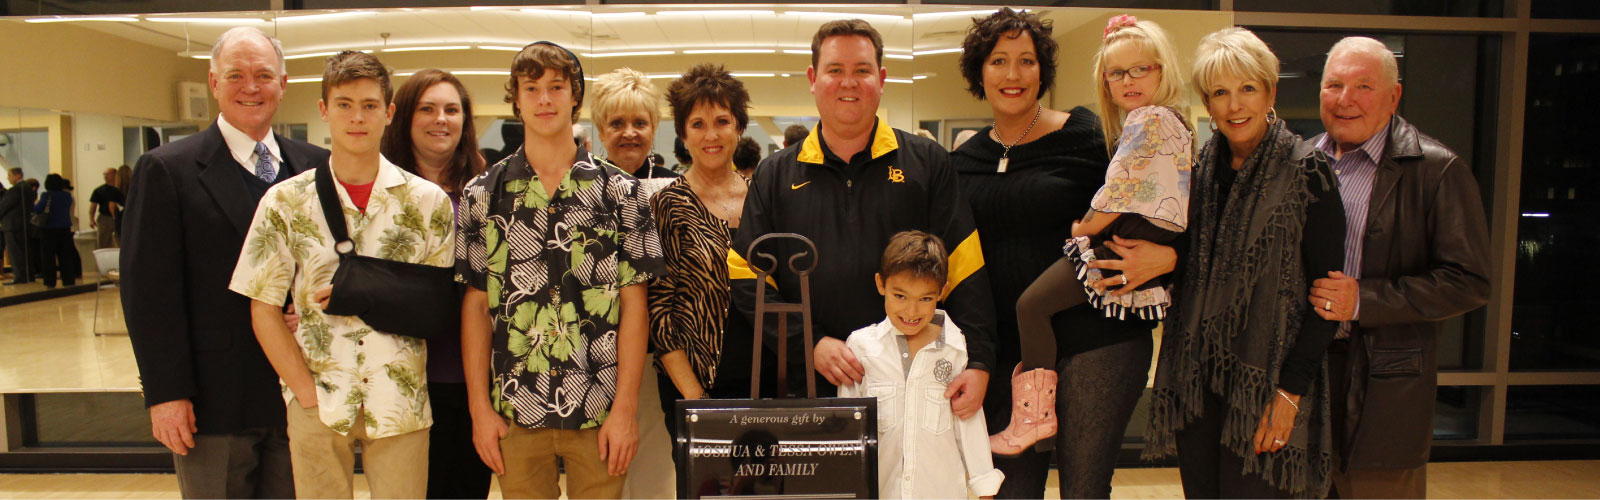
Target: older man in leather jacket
x,y
1416,251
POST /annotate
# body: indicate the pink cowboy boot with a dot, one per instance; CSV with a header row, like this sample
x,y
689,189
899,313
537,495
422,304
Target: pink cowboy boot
x,y
1033,411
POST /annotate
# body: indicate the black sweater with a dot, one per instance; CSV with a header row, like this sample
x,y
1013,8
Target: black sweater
x,y
1024,217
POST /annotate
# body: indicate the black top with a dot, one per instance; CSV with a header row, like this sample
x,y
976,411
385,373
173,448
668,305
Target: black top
x,y
104,196
1323,252
1024,217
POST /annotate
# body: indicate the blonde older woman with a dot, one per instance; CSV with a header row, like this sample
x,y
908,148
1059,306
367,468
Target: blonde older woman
x,y
1240,391
626,112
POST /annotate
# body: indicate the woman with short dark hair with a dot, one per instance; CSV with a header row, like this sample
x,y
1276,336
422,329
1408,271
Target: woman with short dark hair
x,y
697,215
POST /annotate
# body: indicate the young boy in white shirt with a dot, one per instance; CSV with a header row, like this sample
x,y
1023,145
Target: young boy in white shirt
x,y
910,357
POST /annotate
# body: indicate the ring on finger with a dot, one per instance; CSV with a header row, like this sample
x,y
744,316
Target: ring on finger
x,y
1279,442
1124,279
1327,305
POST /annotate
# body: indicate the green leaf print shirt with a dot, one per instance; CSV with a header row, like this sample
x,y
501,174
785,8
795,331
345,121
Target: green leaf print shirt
x,y
553,269
379,379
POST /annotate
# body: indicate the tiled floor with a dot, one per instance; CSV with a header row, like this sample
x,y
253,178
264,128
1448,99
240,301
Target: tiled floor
x,y
1570,479
51,345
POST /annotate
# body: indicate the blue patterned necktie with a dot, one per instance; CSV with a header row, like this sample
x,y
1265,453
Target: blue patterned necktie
x,y
264,163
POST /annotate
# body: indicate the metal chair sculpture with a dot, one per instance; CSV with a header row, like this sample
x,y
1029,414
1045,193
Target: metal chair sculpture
x,y
782,309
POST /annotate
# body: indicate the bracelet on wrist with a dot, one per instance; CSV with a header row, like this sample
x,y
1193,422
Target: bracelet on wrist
x,y
1285,395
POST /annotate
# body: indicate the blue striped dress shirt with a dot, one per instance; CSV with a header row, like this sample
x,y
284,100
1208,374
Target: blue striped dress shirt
x,y
1355,169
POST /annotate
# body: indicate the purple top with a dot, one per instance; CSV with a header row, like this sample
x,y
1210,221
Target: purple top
x,y
444,351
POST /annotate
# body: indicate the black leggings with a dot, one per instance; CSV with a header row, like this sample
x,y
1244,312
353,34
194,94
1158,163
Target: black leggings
x,y
1095,397
1210,470
1056,289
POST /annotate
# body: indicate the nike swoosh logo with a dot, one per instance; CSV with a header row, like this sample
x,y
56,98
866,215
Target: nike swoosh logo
x,y
798,186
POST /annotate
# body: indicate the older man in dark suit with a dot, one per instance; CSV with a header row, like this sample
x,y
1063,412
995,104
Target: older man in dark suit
x,y
15,206
214,399
1416,253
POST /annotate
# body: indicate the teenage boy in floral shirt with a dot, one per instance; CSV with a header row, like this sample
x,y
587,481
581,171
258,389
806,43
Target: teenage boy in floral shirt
x,y
345,382
557,247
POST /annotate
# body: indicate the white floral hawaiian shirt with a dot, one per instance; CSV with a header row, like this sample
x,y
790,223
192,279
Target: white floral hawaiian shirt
x,y
357,371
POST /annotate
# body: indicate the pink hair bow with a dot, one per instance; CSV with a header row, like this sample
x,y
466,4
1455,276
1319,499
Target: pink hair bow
x,y
1119,22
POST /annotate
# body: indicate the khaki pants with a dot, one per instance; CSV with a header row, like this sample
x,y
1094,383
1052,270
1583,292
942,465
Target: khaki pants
x,y
105,228
324,460
530,458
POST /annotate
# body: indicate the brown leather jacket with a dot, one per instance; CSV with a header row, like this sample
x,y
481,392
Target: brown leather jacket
x,y
1425,258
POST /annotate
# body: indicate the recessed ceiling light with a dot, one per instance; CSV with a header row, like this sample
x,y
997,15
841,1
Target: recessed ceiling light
x,y
306,79
936,51
897,80
804,52
752,75
500,47
899,56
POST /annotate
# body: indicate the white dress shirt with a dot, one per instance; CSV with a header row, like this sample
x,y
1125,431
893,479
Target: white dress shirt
x,y
924,451
243,147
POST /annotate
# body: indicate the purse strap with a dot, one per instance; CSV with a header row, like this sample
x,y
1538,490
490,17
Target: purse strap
x,y
333,211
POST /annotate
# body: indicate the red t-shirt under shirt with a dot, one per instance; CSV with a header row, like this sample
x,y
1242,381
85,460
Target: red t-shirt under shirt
x,y
359,193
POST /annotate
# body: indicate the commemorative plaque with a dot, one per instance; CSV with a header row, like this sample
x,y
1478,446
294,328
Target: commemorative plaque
x,y
778,448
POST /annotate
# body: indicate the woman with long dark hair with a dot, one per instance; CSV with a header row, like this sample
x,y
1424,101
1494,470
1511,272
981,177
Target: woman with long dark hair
x,y
432,136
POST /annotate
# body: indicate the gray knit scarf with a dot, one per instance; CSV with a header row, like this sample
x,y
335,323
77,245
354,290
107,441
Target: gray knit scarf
x,y
1239,305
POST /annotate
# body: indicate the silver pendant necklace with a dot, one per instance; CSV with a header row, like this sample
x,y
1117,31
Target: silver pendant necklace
x,y
1005,156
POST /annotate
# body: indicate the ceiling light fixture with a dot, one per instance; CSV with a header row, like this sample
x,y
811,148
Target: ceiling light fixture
x,y
932,15
482,72
840,15
329,15
730,51
605,15
752,75
897,80
936,51
899,56
501,47
419,49
556,12
313,54
306,79
206,20
803,52
120,19
639,53
716,13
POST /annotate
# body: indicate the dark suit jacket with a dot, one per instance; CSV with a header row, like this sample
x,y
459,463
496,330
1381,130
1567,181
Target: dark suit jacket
x,y
15,206
187,214
1424,259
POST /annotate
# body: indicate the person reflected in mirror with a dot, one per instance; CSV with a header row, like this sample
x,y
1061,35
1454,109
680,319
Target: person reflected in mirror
x,y
60,255
105,207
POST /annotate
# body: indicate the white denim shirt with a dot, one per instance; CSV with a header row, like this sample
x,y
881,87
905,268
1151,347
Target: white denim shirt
x,y
923,450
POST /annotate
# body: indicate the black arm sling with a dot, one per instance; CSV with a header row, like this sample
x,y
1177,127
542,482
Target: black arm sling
x,y
415,300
